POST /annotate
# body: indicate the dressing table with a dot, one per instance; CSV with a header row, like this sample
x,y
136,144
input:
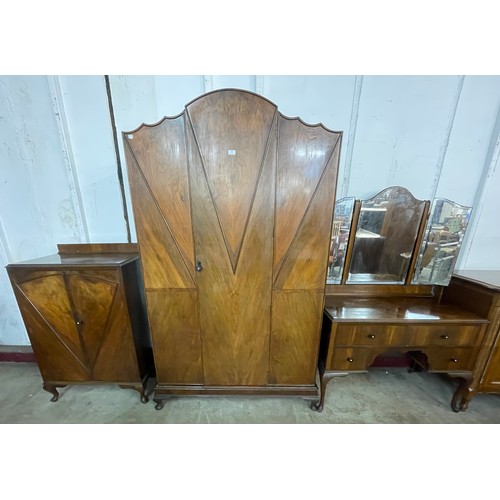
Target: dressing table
x,y
386,293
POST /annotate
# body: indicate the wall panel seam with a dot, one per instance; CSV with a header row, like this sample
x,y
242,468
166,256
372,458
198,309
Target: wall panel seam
x,y
446,140
482,191
68,157
346,177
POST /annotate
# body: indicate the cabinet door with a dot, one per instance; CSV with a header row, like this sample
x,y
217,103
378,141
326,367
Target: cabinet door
x,y
102,318
78,324
48,315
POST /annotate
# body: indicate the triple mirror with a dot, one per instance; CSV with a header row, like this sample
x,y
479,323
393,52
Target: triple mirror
x,y
393,238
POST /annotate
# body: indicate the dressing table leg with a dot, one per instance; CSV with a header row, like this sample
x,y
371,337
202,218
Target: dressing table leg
x,y
464,393
325,378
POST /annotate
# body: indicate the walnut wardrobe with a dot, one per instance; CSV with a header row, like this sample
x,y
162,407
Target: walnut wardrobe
x,y
233,205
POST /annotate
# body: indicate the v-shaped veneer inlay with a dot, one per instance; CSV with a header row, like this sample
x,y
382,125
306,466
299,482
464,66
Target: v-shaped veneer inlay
x,y
48,295
232,139
303,153
160,153
93,300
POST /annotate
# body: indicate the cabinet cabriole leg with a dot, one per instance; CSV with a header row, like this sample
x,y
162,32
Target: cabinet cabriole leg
x,y
159,403
53,390
136,387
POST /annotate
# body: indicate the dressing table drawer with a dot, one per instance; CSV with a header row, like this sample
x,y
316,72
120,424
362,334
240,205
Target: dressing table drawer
x,y
373,335
450,360
446,335
351,358
406,335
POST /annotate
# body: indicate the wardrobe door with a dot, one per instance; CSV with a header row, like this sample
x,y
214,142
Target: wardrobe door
x,y
232,159
159,185
307,168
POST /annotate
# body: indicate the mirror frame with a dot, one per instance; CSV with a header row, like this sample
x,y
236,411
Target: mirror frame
x,y
421,206
425,247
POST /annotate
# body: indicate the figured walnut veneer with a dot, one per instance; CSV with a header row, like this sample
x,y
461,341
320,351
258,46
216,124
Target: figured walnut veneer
x,y
84,314
233,206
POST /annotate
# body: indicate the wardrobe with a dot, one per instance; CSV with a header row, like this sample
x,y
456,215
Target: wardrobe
x,y
233,206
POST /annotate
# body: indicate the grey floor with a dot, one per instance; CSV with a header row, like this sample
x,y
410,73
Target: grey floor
x,y
383,396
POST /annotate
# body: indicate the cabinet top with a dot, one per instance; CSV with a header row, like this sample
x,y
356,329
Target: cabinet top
x,y
491,279
85,254
78,260
397,310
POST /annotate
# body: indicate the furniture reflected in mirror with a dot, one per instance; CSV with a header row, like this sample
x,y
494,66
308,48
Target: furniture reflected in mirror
x,y
441,243
375,309
342,219
388,225
395,239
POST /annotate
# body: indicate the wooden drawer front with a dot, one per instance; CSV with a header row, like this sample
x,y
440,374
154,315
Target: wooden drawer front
x,y
350,358
411,335
373,335
446,335
449,360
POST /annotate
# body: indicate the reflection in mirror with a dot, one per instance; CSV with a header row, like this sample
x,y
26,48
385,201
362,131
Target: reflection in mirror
x,y
387,228
441,243
342,218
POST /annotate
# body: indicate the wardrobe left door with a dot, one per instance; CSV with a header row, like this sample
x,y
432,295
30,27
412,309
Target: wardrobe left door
x,y
159,186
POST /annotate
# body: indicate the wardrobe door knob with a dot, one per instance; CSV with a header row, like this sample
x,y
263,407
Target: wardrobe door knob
x,y
454,360
350,360
199,267
79,322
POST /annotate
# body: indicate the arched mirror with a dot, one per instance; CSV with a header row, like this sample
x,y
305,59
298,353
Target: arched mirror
x,y
441,243
342,218
387,228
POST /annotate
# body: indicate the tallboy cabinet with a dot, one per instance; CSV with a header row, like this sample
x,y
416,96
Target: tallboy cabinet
x,y
85,316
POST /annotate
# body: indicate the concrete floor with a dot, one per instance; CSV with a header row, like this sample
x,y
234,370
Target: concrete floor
x,y
383,396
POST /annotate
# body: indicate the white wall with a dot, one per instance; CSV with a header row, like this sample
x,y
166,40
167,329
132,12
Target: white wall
x,y
37,203
435,135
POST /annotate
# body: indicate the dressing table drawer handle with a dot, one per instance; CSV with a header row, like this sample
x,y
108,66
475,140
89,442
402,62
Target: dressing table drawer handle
x,y
454,360
445,337
371,336
350,360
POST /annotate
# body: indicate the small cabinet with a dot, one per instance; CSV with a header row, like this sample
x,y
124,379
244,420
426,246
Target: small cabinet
x,y
479,292
84,312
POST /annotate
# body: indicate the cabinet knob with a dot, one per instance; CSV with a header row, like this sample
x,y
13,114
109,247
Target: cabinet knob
x,y
350,360
79,322
371,336
199,267
445,337
454,360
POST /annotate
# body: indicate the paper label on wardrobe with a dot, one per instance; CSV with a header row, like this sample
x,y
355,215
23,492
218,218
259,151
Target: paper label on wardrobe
x,y
231,152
